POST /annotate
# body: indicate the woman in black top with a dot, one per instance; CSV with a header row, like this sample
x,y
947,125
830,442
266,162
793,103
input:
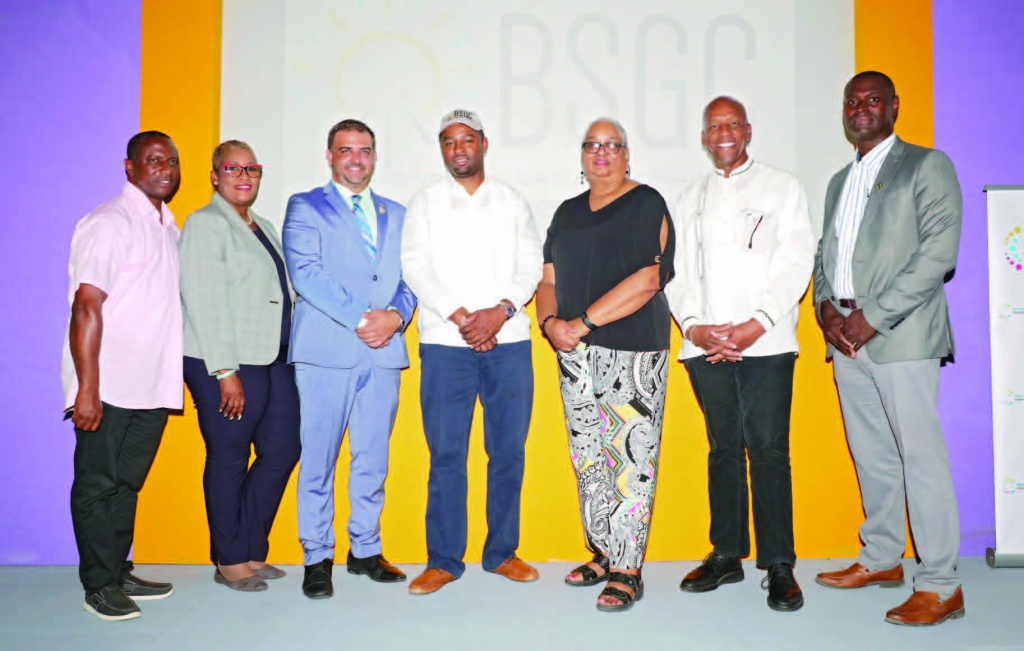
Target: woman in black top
x,y
607,258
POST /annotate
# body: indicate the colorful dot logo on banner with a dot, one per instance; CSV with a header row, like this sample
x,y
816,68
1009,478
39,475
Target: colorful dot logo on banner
x,y
1015,248
1006,311
1012,486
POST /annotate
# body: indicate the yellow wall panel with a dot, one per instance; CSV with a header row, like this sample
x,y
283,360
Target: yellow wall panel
x,y
181,97
896,38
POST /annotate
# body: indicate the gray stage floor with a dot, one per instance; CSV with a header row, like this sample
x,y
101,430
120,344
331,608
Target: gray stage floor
x,y
41,608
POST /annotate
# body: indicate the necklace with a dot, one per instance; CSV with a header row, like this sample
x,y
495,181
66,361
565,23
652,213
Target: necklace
x,y
247,219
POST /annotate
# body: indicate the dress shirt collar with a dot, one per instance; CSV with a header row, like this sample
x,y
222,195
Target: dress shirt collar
x,y
347,194
739,170
877,154
142,207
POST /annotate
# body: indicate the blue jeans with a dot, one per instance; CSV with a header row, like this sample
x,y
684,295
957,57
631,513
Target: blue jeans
x,y
746,409
452,378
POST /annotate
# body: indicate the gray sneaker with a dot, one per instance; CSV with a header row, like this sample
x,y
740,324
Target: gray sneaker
x,y
111,604
142,590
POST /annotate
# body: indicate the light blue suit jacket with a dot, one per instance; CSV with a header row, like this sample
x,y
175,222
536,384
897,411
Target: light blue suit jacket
x,y
336,281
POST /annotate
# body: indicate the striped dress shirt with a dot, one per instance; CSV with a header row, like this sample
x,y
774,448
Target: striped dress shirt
x,y
365,202
852,203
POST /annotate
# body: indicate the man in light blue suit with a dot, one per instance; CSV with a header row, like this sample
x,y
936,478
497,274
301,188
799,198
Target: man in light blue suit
x,y
342,245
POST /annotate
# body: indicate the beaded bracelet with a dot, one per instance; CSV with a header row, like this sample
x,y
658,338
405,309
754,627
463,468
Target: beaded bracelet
x,y
544,322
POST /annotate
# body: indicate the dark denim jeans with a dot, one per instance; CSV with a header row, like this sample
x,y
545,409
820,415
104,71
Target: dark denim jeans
x,y
746,408
452,378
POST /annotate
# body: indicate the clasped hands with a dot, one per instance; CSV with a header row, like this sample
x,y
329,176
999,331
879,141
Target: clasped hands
x,y
846,334
565,335
726,342
480,329
378,327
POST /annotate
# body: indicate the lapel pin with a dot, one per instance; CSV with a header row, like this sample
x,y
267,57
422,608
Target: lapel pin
x,y
380,209
878,187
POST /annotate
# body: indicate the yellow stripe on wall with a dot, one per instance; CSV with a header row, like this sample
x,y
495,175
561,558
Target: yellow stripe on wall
x,y
896,38
181,95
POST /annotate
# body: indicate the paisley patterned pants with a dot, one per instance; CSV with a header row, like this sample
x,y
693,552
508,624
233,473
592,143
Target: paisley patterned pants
x,y
614,401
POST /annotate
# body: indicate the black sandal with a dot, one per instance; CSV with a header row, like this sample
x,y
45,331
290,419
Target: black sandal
x,y
633,581
591,577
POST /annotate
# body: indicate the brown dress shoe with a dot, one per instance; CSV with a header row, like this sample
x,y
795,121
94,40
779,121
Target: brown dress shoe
x,y
858,576
515,569
432,580
925,609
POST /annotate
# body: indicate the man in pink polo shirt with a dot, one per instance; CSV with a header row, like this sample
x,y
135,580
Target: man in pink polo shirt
x,y
121,368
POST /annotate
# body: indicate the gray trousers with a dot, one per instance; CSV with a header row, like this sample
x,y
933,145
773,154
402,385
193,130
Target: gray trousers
x,y
894,433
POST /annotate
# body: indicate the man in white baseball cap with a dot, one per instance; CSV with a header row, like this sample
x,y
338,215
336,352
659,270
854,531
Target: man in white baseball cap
x,y
471,254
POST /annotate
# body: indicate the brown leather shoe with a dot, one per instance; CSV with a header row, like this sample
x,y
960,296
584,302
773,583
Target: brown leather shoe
x,y
925,609
431,580
858,576
517,570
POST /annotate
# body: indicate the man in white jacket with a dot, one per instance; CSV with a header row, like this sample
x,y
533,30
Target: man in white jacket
x,y
743,260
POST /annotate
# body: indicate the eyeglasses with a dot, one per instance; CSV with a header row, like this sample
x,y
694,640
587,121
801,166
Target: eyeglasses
x,y
253,171
611,148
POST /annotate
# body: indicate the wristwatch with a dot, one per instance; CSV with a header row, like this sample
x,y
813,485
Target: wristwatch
x,y
510,310
401,319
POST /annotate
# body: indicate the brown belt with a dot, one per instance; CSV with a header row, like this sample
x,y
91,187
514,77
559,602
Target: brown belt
x,y
848,303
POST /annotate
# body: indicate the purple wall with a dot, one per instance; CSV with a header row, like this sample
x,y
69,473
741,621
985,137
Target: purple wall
x,y
979,89
70,88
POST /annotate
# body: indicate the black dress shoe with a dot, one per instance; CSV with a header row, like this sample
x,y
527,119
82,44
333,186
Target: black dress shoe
x,y
141,589
713,572
376,567
783,592
317,582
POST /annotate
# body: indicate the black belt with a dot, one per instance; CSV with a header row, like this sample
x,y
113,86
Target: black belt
x,y
848,303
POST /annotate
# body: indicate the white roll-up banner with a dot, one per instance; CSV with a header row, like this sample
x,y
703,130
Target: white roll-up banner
x,y
1006,326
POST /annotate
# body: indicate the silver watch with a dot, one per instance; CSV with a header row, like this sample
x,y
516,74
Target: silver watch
x,y
401,319
510,310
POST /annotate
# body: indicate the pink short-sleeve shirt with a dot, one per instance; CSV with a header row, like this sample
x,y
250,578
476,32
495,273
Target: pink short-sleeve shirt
x,y
129,250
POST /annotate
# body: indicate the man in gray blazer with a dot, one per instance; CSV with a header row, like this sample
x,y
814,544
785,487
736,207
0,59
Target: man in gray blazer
x,y
891,233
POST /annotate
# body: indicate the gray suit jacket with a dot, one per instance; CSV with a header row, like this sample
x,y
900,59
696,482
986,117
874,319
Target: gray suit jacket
x,y
906,244
230,291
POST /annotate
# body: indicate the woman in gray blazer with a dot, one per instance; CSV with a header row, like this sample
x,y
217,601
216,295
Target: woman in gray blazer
x,y
237,307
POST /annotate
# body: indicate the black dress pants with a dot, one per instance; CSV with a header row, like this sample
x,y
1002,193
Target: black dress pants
x,y
110,466
746,409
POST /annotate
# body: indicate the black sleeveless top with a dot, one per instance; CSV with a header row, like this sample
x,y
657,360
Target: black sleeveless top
x,y
593,251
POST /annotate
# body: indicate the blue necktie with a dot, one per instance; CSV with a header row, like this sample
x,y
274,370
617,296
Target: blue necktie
x,y
364,228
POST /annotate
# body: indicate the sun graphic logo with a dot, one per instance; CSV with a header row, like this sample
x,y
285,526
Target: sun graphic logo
x,y
1014,250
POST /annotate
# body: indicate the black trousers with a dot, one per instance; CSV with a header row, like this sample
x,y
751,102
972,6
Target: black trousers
x,y
110,466
746,409
242,499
